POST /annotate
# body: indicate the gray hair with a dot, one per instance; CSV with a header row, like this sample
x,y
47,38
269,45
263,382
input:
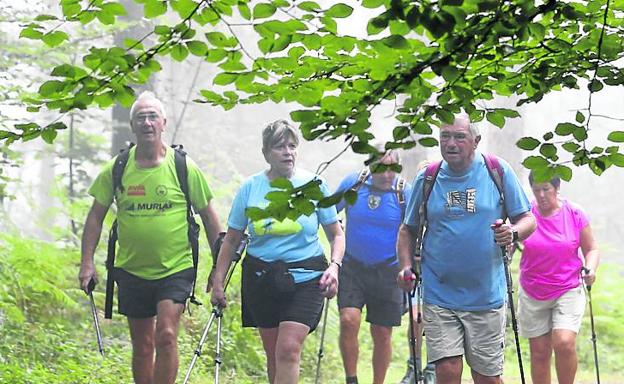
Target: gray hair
x,y
148,96
472,127
275,132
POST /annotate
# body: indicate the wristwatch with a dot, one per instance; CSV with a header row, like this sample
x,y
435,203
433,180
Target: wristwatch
x,y
514,234
338,263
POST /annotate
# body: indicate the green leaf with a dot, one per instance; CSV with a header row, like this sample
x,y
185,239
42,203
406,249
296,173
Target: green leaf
x,y
197,48
372,3
528,143
330,200
563,172
153,8
616,136
350,197
179,52
45,18
263,10
310,6
396,42
281,183
571,147
244,11
617,159
595,85
428,142
565,129
548,150
54,38
224,78
31,33
548,136
48,135
496,118
339,10
51,87
580,117
580,134
534,162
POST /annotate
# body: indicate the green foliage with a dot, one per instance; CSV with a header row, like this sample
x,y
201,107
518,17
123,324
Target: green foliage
x,y
433,58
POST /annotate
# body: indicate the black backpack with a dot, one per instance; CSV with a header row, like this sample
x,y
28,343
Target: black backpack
x,y
193,228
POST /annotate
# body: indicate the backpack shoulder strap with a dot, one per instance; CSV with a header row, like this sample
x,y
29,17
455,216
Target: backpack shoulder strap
x,y
431,173
193,228
121,160
495,169
496,174
182,173
362,176
400,194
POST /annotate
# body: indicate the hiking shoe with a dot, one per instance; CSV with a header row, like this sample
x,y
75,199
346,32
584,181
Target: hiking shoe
x,y
429,375
409,375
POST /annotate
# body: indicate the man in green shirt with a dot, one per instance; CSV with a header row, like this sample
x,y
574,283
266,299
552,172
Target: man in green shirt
x,y
154,266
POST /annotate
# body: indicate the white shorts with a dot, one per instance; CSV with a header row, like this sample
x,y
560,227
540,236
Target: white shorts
x,y
539,317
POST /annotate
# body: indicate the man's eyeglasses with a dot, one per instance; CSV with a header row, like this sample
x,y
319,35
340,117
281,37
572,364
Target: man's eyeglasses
x,y
458,136
141,117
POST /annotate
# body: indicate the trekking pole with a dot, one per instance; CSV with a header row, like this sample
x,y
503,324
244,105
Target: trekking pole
x,y
415,291
321,352
514,322
593,331
96,323
217,313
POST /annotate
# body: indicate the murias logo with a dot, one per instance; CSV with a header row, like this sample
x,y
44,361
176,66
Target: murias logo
x,y
149,206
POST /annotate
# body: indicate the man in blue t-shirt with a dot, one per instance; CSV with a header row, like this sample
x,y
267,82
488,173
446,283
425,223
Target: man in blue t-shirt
x,y
370,265
462,266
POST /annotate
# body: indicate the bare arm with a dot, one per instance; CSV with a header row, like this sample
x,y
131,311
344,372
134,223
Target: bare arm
x,y
211,223
589,246
405,250
90,239
232,239
329,280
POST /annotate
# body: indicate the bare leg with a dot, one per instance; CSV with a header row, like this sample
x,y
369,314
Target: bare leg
x,y
480,379
541,352
167,321
269,341
449,370
382,351
142,332
288,351
350,319
566,361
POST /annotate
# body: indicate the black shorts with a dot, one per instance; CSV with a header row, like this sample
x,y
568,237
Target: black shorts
x,y
138,298
263,309
374,286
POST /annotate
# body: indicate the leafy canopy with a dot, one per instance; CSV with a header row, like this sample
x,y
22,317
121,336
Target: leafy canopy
x,y
432,58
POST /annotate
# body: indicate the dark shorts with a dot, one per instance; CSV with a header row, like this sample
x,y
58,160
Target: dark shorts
x,y
374,286
263,309
138,298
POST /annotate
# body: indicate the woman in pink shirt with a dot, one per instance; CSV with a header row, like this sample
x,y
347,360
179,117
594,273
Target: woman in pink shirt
x,y
551,300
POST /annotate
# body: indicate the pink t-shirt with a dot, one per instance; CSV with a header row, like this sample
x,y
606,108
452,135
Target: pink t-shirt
x,y
551,264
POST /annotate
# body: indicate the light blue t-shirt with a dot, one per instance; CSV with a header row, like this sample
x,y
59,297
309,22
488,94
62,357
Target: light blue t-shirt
x,y
286,240
373,221
461,264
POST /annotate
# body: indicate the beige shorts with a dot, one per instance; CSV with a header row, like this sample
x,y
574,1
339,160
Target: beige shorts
x,y
538,317
478,335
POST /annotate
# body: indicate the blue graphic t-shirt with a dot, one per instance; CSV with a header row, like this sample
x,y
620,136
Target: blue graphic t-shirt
x,y
461,264
285,240
373,221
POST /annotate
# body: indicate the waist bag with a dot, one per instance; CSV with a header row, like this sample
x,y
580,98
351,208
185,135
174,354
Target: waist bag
x,y
276,277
